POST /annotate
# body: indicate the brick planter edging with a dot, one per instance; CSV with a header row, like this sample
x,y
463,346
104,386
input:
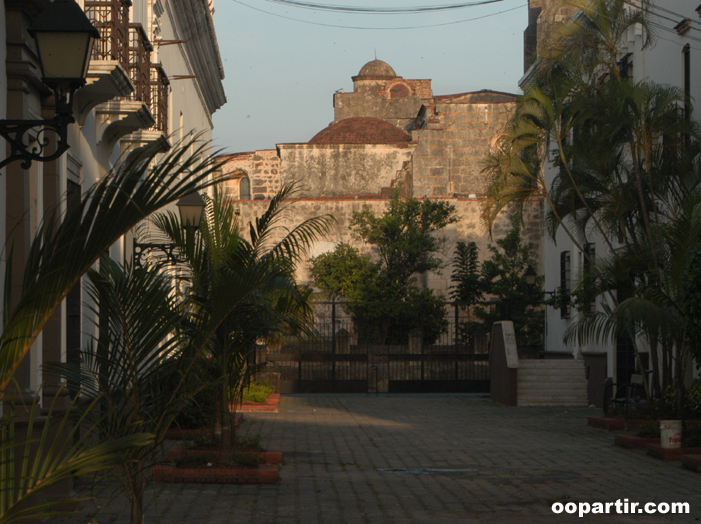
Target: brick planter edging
x,y
692,462
633,442
218,475
268,457
192,434
657,451
615,424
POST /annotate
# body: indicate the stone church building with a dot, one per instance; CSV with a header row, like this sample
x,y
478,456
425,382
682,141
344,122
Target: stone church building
x,y
389,132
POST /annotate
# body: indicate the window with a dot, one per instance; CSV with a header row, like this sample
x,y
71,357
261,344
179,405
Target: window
x,y
565,281
625,67
245,189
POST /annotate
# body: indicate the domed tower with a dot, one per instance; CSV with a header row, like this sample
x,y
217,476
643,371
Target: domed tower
x,y
378,92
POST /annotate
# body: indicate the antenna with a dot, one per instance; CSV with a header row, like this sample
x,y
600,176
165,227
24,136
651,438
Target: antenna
x,y
375,49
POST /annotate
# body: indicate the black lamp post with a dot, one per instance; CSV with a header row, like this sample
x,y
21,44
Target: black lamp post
x,y
64,37
191,208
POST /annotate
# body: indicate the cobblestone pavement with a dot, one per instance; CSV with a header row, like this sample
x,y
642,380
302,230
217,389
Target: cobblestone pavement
x,y
423,459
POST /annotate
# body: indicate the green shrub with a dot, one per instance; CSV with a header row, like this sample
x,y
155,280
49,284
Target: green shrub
x,y
258,391
246,459
649,430
252,442
195,459
691,435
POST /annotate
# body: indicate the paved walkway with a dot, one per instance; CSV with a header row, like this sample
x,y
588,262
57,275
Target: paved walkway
x,y
424,459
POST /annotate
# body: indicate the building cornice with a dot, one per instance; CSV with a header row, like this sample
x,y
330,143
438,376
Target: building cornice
x,y
194,24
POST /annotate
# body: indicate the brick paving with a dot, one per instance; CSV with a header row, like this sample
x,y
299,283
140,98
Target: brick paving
x,y
352,459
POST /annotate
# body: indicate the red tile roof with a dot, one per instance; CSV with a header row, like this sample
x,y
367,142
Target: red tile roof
x,y
361,130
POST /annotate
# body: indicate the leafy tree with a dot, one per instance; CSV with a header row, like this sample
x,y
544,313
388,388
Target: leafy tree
x,y
502,277
405,238
466,274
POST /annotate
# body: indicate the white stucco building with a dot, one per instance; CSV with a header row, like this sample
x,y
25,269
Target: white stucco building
x,y
674,59
155,76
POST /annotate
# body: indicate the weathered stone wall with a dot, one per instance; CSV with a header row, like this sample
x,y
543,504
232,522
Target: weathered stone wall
x,y
328,170
396,101
450,151
468,228
262,169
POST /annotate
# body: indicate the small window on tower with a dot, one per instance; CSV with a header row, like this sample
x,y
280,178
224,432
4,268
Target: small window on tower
x,y
399,91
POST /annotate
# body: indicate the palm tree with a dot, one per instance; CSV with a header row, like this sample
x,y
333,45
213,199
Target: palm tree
x,y
253,277
63,250
623,169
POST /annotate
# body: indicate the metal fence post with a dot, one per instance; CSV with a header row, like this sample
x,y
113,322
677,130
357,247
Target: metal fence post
x,y
333,344
457,339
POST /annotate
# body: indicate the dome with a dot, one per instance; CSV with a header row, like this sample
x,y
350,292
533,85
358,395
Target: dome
x,y
376,70
361,130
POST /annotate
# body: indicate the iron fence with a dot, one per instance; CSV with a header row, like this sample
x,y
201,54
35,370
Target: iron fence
x,y
389,347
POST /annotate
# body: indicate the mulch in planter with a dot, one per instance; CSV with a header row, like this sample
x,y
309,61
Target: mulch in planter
x,y
627,441
192,434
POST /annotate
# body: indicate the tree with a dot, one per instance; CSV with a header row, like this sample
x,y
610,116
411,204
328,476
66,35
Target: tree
x,y
126,367
381,292
466,274
63,250
503,277
246,286
624,173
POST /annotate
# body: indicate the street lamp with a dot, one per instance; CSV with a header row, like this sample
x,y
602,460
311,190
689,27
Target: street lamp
x,y
191,208
64,38
530,276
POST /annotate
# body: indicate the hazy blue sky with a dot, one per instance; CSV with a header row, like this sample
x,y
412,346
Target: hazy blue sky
x,y
281,74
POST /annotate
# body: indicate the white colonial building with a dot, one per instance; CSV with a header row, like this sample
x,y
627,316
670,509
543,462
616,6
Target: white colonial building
x,y
155,76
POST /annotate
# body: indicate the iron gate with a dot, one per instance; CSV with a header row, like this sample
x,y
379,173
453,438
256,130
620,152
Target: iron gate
x,y
349,358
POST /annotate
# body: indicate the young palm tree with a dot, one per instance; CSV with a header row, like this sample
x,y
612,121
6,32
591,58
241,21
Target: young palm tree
x,y
63,250
253,276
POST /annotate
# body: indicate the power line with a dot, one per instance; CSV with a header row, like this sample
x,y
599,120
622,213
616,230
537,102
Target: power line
x,y
379,28
380,10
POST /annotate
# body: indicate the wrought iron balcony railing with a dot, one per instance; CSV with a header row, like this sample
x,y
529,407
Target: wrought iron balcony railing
x,y
111,17
159,97
139,67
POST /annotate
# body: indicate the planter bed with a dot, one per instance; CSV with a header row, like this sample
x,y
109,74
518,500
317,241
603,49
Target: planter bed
x,y
657,451
217,474
692,462
192,434
270,457
615,424
270,405
633,442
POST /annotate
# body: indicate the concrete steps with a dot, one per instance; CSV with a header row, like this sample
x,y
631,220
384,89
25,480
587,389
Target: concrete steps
x,y
552,383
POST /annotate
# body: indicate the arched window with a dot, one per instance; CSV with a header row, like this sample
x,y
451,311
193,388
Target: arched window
x,y
245,189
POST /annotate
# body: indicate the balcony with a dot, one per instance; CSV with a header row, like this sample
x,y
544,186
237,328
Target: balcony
x,y
109,62
139,63
111,17
160,86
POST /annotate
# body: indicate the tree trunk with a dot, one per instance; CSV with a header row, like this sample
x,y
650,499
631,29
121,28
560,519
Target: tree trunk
x,y
137,495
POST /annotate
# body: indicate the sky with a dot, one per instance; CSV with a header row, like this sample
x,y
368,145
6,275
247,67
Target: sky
x,y
281,74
